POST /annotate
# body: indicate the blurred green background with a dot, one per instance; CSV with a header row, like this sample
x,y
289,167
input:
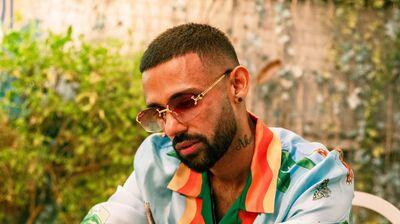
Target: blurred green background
x,y
68,105
67,124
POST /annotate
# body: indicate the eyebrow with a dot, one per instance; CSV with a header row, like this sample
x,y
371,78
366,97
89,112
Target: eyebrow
x,y
193,91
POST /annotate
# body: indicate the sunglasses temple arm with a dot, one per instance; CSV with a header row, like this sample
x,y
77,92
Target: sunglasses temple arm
x,y
201,95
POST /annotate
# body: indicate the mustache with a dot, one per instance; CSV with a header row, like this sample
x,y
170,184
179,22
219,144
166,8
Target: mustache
x,y
186,137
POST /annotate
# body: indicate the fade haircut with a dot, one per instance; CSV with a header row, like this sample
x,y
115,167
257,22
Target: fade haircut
x,y
209,43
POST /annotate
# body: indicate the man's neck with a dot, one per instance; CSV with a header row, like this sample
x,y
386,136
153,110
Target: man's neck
x,y
233,168
228,176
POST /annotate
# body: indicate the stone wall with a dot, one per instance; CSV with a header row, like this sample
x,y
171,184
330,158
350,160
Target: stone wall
x,y
251,26
297,34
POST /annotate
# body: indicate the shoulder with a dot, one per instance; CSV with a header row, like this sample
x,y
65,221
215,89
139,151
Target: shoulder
x,y
310,156
296,145
311,174
298,151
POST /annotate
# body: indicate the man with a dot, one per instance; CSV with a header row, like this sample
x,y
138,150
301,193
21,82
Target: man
x,y
215,162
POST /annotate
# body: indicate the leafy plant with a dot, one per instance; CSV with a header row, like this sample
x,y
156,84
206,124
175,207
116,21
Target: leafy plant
x,y
67,124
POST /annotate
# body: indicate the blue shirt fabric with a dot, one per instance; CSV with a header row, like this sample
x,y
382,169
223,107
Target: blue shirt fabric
x,y
291,181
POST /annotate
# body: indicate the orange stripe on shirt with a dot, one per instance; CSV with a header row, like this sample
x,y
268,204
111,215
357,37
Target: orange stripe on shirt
x,y
192,213
247,217
260,170
186,181
198,217
180,178
193,185
274,154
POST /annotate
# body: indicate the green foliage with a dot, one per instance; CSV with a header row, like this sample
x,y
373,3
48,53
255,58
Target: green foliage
x,y
67,125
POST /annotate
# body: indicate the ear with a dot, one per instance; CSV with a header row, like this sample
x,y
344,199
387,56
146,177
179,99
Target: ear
x,y
240,80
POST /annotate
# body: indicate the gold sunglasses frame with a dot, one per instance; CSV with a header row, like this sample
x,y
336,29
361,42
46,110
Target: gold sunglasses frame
x,y
197,98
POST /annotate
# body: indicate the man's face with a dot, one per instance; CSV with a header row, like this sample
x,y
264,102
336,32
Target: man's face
x,y
203,140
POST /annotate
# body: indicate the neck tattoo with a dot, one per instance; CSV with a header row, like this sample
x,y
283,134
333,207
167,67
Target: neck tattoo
x,y
243,142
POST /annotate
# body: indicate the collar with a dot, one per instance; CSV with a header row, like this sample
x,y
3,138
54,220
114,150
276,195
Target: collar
x,y
265,165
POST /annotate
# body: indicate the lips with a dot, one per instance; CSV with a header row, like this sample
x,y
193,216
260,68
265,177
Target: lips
x,y
187,147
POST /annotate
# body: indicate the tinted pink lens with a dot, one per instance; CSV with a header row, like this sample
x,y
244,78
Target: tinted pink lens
x,y
150,120
182,103
184,108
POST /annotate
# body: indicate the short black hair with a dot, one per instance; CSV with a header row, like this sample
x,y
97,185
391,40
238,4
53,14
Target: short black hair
x,y
208,42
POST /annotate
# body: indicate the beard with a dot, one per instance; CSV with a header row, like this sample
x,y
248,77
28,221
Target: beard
x,y
212,150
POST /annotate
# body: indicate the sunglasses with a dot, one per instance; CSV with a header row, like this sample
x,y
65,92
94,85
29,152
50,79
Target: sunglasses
x,y
183,108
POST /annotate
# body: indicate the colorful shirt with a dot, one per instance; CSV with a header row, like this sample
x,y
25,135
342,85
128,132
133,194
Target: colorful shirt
x,y
290,180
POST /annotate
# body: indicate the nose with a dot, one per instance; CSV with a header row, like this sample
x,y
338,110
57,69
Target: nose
x,y
173,127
